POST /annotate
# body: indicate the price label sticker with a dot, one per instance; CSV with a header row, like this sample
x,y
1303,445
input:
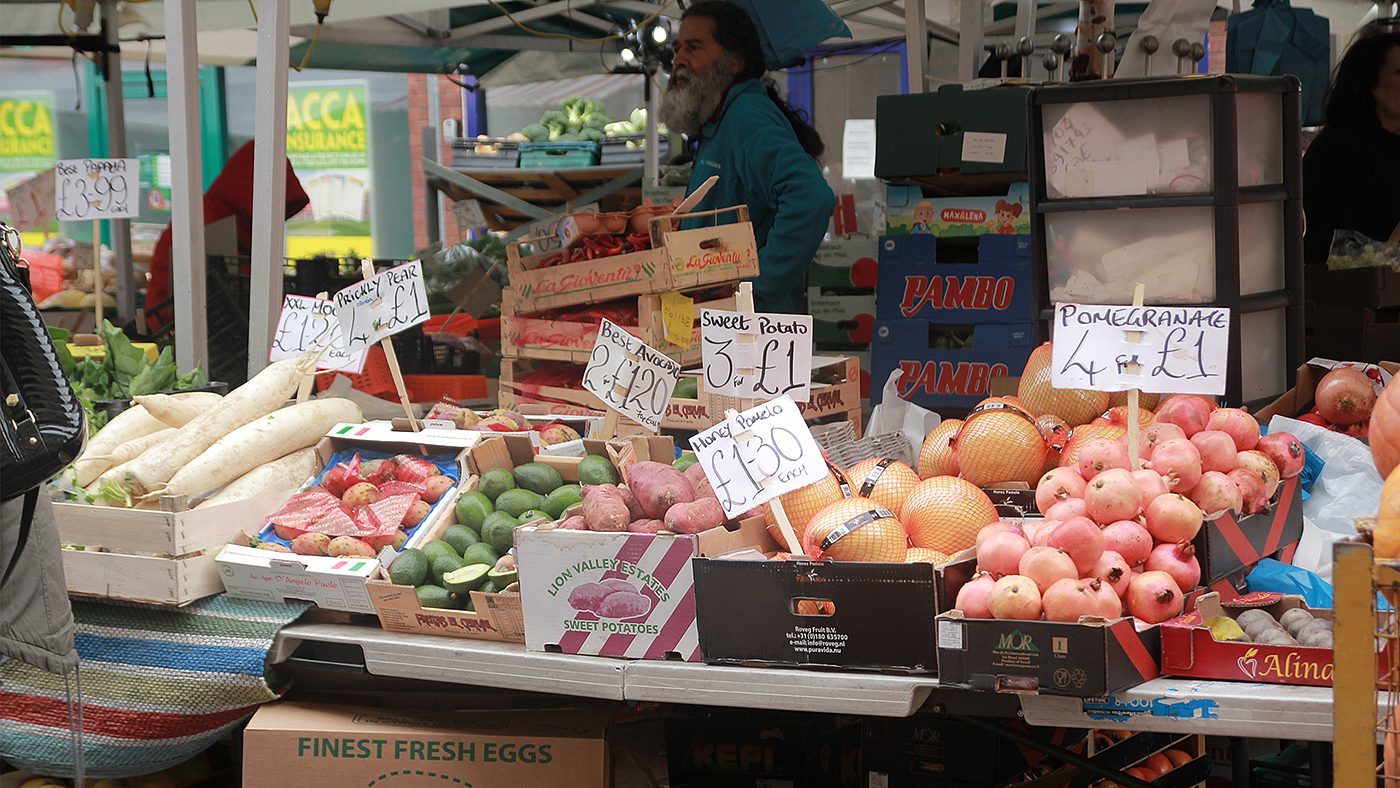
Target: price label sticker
x,y
96,189
382,305
758,455
1178,350
629,376
32,202
678,316
308,324
756,355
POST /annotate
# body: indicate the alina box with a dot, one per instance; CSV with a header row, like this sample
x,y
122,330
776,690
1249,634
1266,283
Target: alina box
x,y
933,374
311,744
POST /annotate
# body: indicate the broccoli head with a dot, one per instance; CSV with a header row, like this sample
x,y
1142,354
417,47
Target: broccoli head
x,y
590,134
536,132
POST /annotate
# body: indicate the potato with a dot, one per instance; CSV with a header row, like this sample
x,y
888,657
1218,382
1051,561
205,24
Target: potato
x,y
349,547
694,517
604,509
646,526
658,487
361,494
634,507
574,523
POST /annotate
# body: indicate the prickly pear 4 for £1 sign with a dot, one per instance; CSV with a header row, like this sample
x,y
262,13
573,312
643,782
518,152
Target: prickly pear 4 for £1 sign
x,y
629,376
755,456
1177,350
382,305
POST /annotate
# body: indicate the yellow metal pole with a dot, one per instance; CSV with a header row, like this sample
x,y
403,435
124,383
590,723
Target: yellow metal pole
x,y
1354,668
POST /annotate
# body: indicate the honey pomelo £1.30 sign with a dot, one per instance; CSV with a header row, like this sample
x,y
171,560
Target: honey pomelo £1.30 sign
x,y
883,480
801,504
937,457
855,529
944,513
1000,443
1038,397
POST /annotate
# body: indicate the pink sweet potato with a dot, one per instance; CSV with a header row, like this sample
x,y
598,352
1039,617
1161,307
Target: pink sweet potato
x,y
646,526
574,523
658,487
694,517
605,510
703,489
633,505
695,474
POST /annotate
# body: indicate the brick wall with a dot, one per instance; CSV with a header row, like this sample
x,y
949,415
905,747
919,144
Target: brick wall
x,y
449,106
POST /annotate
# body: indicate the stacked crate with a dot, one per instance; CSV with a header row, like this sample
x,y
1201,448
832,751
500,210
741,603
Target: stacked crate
x,y
1352,314
841,300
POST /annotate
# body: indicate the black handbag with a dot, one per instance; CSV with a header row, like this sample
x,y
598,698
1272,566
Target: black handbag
x,y
43,428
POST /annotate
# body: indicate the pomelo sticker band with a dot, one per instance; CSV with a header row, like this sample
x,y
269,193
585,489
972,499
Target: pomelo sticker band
x,y
864,518
867,486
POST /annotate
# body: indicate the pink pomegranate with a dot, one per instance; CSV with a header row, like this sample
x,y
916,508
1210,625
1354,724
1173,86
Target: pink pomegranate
x,y
1056,485
1179,461
1100,454
1177,560
1038,533
1151,484
974,595
1153,597
1129,539
1285,450
1068,599
1082,539
1260,463
1113,495
1068,508
1251,484
1110,604
1015,596
1113,571
1001,553
1190,412
995,528
1173,518
1217,450
1045,565
1157,432
1216,494
1240,426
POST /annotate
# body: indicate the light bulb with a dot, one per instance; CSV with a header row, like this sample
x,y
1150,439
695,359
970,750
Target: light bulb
x,y
628,56
659,34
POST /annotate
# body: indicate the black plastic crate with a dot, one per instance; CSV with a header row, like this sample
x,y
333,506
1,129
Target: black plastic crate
x,y
614,150
484,155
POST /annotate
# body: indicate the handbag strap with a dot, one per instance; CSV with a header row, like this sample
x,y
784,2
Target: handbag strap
x,y
31,499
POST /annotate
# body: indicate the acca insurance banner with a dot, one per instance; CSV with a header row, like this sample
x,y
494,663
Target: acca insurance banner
x,y
328,144
26,139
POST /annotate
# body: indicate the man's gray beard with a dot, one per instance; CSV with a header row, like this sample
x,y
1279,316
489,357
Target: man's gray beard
x,y
687,107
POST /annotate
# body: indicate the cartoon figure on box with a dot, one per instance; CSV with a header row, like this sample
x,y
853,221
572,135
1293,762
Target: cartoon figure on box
x,y
1007,212
923,217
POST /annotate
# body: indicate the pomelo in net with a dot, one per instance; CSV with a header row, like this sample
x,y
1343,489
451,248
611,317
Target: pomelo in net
x,y
944,513
855,529
801,504
1036,395
1000,444
925,555
883,480
937,457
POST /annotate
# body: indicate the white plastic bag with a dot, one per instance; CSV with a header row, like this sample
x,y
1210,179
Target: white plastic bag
x,y
894,414
1349,485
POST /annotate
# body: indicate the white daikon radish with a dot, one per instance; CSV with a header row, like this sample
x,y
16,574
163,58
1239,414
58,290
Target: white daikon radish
x,y
262,440
178,409
133,449
286,473
130,424
258,397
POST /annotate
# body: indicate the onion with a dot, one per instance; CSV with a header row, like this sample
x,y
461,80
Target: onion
x,y
1345,396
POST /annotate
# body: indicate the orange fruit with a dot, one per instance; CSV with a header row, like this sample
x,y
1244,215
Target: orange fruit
x,y
855,529
926,555
937,456
945,512
801,504
883,480
1075,406
1000,445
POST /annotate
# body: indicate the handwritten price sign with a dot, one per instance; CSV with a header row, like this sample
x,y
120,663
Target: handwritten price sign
x,y
96,189
1178,350
303,326
629,376
382,305
758,455
32,202
757,355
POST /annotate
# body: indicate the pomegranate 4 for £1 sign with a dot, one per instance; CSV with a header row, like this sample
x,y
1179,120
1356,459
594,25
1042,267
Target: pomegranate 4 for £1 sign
x,y
1178,350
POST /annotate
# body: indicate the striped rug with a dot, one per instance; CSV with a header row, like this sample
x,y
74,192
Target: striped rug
x,y
160,685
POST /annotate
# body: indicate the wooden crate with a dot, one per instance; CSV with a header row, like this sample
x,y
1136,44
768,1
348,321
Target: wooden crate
x,y
165,557
684,260
524,336
561,400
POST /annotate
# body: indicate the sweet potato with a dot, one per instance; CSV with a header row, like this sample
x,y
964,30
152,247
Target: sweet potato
x,y
634,507
646,526
658,487
605,510
694,517
574,523
695,474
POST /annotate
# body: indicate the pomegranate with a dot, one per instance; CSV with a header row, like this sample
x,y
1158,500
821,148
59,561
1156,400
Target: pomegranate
x,y
1075,406
1113,571
1040,535
1069,507
1179,461
1173,518
1000,444
1100,454
1113,495
1110,604
995,528
1118,414
1057,485
1129,539
1045,565
1217,494
1153,597
1001,553
937,456
1285,450
1015,596
1151,484
1082,539
1259,462
1251,484
1190,412
1217,450
973,596
1345,396
1082,435
1238,424
1068,599
1177,560
1156,433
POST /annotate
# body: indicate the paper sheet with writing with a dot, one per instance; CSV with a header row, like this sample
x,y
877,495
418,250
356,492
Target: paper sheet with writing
x,y
96,189
629,376
758,455
303,325
382,305
1176,350
756,355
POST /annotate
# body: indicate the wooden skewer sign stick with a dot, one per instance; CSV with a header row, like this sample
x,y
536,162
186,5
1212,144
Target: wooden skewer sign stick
x,y
367,268
97,289
1133,428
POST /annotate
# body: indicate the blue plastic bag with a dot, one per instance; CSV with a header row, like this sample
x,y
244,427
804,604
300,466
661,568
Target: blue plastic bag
x,y
791,27
1280,578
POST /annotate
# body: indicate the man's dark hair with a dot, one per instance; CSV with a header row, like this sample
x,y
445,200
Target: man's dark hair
x,y
735,32
1350,103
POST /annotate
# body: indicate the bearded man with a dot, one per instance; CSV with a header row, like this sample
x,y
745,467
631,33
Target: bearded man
x,y
764,153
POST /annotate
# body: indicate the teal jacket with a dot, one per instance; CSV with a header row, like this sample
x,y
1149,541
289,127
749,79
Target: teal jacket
x,y
760,163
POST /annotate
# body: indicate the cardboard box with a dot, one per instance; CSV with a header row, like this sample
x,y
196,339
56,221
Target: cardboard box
x,y
1299,399
844,264
937,378
555,564
908,210
822,613
1369,288
330,583
933,751
1047,657
960,294
743,748
1229,544
928,249
1352,333
289,743
841,318
1189,649
951,130
1137,747
835,390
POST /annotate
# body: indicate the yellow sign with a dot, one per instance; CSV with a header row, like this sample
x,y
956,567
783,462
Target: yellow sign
x,y
678,315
